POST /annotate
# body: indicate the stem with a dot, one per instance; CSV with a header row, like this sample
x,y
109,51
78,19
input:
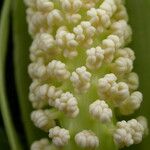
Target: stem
x,y
4,30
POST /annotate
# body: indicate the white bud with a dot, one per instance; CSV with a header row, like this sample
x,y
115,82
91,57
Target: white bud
x,y
101,111
44,5
71,6
53,94
54,17
132,103
105,83
109,89
109,6
109,47
128,133
137,130
37,70
57,69
84,33
99,19
42,144
125,53
45,41
36,21
87,139
73,18
95,58
38,94
68,104
122,30
60,136
66,41
132,80
119,92
143,121
81,79
122,66
42,120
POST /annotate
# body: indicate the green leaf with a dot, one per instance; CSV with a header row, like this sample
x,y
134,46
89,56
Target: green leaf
x,y
21,61
4,30
3,139
139,13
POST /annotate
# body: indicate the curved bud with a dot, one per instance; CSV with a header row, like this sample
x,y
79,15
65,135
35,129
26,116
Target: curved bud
x,y
122,66
87,139
54,17
42,119
128,133
42,144
58,70
53,94
84,33
81,79
132,80
143,121
95,58
60,136
131,104
44,5
101,111
68,104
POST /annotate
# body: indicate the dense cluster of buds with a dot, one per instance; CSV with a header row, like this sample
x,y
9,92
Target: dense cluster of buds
x,y
82,74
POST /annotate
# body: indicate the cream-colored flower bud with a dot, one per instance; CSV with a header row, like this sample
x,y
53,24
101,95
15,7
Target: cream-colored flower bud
x,y
57,69
71,6
42,144
60,136
45,41
115,40
95,58
53,94
66,41
81,79
54,17
36,22
109,89
132,80
89,4
109,49
105,83
109,6
143,121
38,94
122,66
84,33
99,19
44,5
128,133
131,104
37,70
87,139
101,111
122,30
42,120
119,92
68,104
125,53
73,18
122,135
137,130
